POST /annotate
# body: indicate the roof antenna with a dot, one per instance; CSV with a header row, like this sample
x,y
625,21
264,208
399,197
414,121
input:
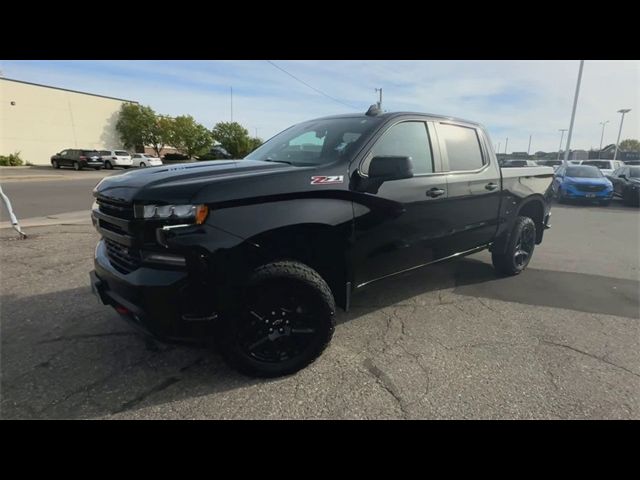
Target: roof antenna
x,y
373,110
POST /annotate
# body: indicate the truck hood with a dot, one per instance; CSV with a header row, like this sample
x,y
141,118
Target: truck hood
x,y
182,182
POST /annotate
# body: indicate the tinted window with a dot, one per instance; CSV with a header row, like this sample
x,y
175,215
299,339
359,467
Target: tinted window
x,y
584,171
463,147
122,153
104,152
634,172
407,139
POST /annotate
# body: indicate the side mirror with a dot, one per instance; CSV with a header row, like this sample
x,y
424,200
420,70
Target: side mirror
x,y
386,168
622,175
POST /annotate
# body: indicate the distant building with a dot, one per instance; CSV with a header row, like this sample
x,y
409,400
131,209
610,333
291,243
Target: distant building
x,y
607,154
40,120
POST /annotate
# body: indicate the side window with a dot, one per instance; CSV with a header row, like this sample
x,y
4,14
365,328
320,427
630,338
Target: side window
x,y
63,153
407,139
463,147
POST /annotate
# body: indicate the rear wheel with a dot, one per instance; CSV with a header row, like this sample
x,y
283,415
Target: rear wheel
x,y
284,321
519,250
108,165
142,164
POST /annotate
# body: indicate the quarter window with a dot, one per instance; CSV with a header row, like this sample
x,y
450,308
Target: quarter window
x,y
463,147
407,139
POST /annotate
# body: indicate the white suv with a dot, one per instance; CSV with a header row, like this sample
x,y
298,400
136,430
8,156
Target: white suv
x,y
116,158
606,166
142,160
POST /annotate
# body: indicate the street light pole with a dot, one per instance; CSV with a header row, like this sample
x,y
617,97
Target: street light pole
x,y
529,147
623,111
505,145
231,89
573,113
601,137
561,137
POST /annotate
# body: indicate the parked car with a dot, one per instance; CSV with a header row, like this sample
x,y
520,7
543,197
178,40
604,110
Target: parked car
x,y
219,153
116,158
582,182
259,252
632,162
142,160
550,163
78,159
519,163
606,166
626,184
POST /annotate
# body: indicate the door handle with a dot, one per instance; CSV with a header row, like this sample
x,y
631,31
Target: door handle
x,y
491,186
435,192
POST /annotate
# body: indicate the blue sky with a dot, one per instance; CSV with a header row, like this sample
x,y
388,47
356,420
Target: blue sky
x,y
512,99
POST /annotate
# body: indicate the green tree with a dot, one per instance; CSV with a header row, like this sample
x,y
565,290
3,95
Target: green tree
x,y
134,123
234,138
254,142
630,145
190,137
160,133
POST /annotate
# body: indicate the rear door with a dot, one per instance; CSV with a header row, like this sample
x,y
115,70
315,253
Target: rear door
x,y
473,186
404,224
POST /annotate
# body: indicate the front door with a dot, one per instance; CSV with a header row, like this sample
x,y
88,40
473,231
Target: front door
x,y
403,224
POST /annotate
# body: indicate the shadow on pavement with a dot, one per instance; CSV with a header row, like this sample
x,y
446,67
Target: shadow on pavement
x,y
65,356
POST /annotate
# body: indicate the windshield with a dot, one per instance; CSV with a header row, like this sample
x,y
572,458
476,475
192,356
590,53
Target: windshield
x,y
634,172
601,164
583,171
317,142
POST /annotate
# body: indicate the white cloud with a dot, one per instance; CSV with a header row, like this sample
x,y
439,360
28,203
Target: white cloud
x,y
511,98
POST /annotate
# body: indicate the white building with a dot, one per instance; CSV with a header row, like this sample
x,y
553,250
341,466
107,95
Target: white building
x,y
39,120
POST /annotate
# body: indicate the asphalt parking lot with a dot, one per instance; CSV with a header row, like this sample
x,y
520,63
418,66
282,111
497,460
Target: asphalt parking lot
x,y
449,341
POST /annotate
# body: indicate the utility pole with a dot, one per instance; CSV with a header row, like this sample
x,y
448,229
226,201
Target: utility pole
x,y
561,137
601,137
231,103
573,113
505,145
529,147
380,100
623,111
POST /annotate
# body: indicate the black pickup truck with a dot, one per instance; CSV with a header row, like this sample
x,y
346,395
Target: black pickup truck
x,y
256,253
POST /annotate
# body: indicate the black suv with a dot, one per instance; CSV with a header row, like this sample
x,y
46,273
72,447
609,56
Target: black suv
x,y
78,159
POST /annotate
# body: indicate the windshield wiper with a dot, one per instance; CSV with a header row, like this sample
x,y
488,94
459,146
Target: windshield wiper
x,y
278,161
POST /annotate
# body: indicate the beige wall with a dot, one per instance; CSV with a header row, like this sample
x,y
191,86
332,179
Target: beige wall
x,y
45,120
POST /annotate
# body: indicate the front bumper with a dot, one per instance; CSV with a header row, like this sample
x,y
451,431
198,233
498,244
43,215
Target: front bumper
x,y
571,192
157,301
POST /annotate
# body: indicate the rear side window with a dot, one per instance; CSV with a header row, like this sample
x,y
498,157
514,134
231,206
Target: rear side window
x,y
105,152
122,153
407,139
463,147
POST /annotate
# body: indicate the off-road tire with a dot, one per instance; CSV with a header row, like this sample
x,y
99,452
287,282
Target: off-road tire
x,y
505,263
288,279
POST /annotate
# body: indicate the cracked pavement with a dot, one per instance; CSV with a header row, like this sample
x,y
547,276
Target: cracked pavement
x,y
448,341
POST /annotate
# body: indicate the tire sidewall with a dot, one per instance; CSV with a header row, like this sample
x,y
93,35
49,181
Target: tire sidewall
x,y
323,308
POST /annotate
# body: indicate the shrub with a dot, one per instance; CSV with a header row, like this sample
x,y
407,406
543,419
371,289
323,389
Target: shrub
x,y
11,160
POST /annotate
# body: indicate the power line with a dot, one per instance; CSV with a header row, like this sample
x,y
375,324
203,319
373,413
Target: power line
x,y
311,87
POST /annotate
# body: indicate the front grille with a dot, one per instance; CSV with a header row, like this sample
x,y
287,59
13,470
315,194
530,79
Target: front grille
x,y
115,208
123,259
590,188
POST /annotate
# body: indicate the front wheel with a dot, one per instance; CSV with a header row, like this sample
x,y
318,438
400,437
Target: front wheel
x,y
54,164
519,250
108,165
283,322
142,164
76,166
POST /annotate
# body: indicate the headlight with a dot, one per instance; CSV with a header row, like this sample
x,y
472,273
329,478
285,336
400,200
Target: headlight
x,y
197,213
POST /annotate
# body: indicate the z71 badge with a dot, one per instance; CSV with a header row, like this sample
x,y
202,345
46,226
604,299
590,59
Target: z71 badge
x,y
324,180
